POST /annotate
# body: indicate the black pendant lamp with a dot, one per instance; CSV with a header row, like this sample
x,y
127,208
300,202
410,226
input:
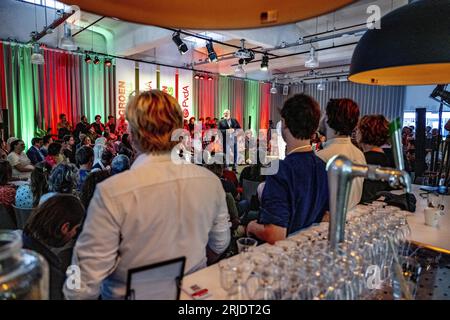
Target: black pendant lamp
x,y
412,47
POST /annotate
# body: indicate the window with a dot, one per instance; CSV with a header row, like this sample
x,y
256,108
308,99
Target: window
x,y
48,3
432,120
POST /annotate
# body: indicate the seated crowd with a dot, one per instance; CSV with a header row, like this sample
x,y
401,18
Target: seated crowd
x,y
131,205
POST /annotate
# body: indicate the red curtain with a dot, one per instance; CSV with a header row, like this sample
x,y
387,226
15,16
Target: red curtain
x,y
3,101
205,93
264,116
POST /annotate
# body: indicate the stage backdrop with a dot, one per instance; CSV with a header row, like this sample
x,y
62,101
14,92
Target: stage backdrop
x,y
125,84
35,96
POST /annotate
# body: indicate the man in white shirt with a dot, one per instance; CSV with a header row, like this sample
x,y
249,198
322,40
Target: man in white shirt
x,y
340,120
156,211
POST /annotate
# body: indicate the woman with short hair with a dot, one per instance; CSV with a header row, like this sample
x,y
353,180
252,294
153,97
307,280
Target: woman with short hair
x,y
19,161
372,133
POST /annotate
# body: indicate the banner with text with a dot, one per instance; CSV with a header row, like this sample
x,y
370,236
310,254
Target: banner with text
x,y
125,83
185,92
147,76
167,80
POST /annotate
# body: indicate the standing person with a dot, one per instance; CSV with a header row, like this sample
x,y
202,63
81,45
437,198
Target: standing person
x,y
111,124
46,141
64,127
34,152
191,212
99,127
228,126
297,195
372,133
341,118
81,127
21,165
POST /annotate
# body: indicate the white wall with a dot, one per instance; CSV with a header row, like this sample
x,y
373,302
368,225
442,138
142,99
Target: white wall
x,y
419,97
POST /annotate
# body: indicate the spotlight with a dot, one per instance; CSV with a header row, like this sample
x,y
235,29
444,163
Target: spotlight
x,y
108,62
265,62
67,41
37,57
88,59
96,60
273,90
202,77
196,77
312,61
239,71
210,78
182,47
212,55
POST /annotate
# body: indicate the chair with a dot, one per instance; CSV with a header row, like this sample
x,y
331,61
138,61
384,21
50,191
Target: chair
x,y
159,281
249,189
22,216
6,219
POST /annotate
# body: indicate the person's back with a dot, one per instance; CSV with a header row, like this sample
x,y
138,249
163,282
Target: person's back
x,y
155,211
304,180
342,116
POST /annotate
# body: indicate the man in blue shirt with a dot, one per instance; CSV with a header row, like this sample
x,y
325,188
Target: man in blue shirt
x,y
297,195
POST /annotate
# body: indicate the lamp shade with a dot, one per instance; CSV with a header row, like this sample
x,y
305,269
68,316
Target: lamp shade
x,y
412,47
203,14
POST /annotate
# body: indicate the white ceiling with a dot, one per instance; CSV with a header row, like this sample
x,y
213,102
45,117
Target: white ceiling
x,y
17,20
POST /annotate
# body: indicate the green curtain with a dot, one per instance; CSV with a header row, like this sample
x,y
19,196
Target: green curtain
x,y
93,87
23,94
223,99
251,109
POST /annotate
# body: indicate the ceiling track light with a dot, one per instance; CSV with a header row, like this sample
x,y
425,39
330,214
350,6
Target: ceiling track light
x,y
210,78
88,59
321,86
265,62
108,62
96,60
212,55
273,90
182,47
313,61
67,41
37,57
196,77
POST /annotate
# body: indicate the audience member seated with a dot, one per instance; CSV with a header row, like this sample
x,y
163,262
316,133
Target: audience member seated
x,y
155,211
28,195
81,127
296,196
63,179
34,153
120,164
125,146
228,186
50,231
89,185
99,127
21,165
111,124
46,141
122,126
105,161
69,149
372,133
85,160
64,127
92,135
252,173
340,120
7,191
54,156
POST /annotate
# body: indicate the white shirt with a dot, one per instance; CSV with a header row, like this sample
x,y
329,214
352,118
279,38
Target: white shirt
x,y
345,147
22,159
153,212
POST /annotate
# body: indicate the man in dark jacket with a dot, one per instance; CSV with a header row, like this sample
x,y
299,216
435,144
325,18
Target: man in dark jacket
x,y
34,153
227,126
